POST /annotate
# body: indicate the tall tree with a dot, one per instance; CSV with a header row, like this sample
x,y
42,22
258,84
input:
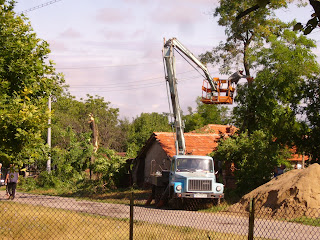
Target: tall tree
x,y
27,79
279,88
305,28
69,112
311,110
244,36
267,108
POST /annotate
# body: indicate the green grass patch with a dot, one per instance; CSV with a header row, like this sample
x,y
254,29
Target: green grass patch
x,y
307,221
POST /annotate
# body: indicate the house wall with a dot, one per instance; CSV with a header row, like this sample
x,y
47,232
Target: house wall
x,y
156,160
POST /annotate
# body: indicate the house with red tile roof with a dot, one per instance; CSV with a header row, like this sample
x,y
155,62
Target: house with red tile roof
x,y
160,148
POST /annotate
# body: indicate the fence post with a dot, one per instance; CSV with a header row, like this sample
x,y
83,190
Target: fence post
x,y
251,219
131,217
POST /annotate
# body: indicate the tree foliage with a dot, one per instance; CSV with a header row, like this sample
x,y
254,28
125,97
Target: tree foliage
x,y
70,162
272,102
268,111
111,167
69,112
204,115
261,5
254,156
27,79
244,36
142,127
311,109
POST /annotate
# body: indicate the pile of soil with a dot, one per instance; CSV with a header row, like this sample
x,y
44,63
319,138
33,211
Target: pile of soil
x,y
293,194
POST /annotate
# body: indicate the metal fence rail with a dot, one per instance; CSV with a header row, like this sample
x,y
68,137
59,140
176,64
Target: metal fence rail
x,y
48,217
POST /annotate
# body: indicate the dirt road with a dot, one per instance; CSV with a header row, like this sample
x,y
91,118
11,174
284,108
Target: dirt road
x,y
219,222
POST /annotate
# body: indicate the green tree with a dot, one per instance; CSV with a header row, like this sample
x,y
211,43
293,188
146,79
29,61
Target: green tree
x,y
204,115
305,28
111,168
69,112
275,95
73,159
310,141
267,108
26,81
282,60
254,156
111,133
142,127
244,36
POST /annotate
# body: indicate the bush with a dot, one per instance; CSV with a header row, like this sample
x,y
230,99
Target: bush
x,y
27,184
46,180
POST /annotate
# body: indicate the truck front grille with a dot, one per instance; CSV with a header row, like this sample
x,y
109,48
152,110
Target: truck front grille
x,y
199,185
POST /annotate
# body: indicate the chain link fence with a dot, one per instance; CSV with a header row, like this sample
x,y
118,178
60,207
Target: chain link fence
x,y
31,216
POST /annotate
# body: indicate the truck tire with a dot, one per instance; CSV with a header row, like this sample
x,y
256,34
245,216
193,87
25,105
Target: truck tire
x,y
158,194
191,204
216,201
176,203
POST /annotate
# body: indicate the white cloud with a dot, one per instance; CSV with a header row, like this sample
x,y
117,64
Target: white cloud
x,y
70,33
114,15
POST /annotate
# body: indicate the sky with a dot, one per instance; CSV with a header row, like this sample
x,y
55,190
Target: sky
x,y
113,48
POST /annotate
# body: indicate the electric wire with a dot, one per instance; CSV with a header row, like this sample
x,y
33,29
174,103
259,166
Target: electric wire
x,y
190,64
39,6
127,88
106,66
137,81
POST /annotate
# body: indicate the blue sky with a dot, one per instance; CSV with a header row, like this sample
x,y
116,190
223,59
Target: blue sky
x,y
112,48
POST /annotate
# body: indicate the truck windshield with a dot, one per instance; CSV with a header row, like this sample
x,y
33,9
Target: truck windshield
x,y
192,165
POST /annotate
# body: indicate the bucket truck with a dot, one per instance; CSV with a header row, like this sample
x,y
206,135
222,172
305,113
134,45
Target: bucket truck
x,y
190,177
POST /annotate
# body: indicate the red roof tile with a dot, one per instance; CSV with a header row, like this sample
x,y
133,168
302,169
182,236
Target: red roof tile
x,y
297,157
196,143
217,129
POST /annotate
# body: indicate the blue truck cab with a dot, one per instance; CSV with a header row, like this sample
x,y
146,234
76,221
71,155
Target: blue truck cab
x,y
194,177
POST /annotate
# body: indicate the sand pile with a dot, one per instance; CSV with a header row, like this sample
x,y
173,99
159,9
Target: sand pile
x,y
294,193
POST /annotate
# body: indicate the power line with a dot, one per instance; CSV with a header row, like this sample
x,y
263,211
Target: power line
x,y
39,6
130,82
127,87
106,66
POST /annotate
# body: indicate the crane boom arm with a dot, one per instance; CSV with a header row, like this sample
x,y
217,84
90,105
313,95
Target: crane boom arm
x,y
174,43
170,72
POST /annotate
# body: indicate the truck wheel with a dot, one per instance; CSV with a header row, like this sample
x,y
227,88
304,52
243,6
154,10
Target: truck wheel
x,y
176,203
216,201
191,204
158,194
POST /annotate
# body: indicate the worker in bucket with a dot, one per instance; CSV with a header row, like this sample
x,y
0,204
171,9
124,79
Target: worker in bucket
x,y
235,77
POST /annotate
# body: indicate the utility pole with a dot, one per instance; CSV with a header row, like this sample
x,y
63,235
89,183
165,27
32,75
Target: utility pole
x,y
49,136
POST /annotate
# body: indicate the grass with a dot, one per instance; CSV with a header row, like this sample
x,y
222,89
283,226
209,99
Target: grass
x,y
23,221
307,221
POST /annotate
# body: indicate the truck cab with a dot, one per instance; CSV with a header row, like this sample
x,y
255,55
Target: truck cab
x,y
194,177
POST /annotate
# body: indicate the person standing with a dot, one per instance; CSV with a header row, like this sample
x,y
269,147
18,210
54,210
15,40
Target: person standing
x,y
12,180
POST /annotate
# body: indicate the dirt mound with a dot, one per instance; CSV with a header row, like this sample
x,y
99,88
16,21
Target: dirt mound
x,y
294,193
